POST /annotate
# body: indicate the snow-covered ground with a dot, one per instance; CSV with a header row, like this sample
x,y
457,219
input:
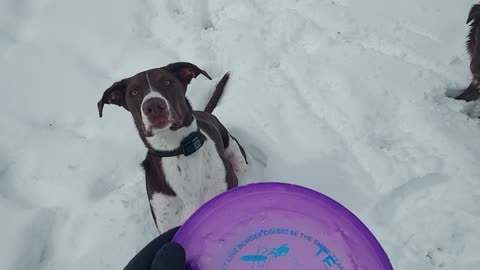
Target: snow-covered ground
x,y
344,96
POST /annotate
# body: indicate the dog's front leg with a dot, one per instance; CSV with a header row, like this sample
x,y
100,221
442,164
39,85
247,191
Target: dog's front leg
x,y
237,157
168,211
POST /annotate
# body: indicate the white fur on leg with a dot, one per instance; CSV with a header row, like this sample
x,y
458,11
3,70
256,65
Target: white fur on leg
x,y
168,211
234,155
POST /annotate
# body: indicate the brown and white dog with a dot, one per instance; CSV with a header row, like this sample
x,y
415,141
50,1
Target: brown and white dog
x,y
191,155
473,48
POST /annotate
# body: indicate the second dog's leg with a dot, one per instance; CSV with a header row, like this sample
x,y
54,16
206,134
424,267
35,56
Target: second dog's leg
x,y
470,94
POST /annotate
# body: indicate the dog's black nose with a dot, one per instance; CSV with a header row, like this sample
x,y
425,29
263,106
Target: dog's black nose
x,y
154,106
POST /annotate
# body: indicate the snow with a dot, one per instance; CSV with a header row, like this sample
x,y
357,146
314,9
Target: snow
x,y
344,96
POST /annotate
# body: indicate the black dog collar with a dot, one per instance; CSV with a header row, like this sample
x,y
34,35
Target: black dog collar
x,y
188,146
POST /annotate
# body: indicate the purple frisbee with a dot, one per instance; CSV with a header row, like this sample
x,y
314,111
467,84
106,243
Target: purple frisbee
x,y
277,226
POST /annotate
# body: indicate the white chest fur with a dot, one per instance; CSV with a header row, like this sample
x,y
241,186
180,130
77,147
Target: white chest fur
x,y
198,177
195,179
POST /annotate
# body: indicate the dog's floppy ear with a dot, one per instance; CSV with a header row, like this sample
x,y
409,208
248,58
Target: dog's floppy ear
x,y
185,71
115,94
474,13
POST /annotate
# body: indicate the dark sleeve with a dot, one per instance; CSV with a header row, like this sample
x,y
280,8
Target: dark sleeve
x,y
143,260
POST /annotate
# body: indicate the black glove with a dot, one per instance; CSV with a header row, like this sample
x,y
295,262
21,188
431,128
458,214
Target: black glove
x,y
160,254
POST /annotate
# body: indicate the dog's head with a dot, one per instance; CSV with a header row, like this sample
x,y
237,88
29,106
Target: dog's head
x,y
156,97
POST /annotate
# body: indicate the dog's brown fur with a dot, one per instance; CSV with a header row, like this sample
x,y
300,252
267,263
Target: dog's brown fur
x,y
473,48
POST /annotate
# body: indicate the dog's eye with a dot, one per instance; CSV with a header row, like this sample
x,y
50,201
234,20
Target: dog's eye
x,y
134,92
167,82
